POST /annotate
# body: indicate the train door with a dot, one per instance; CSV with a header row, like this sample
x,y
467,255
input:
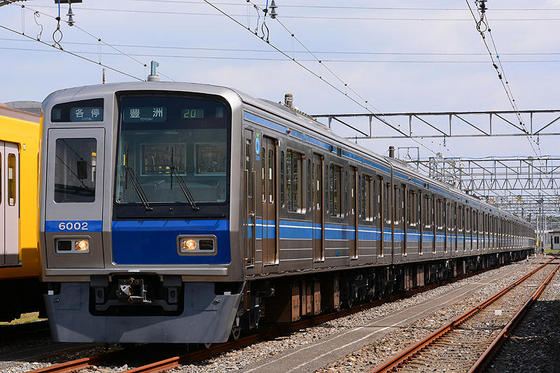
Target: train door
x,y
354,214
317,208
249,206
268,192
9,204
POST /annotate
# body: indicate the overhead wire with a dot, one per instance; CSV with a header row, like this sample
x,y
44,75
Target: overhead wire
x,y
482,26
316,75
338,77
72,53
99,39
181,47
326,17
344,6
270,59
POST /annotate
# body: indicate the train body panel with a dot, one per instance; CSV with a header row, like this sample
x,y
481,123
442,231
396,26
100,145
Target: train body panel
x,y
20,264
157,194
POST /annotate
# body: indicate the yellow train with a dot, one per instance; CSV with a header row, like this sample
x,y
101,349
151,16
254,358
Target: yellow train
x,y
20,263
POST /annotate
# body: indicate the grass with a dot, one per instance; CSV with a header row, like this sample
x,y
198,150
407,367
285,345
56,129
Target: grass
x,y
24,319
550,251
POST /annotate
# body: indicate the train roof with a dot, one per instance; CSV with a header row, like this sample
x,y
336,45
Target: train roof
x,y
6,111
294,116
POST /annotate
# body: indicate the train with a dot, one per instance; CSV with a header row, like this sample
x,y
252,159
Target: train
x,y
192,213
20,263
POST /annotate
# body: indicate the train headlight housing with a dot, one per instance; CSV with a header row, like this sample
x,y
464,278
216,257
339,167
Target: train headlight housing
x,y
81,246
197,245
72,245
188,244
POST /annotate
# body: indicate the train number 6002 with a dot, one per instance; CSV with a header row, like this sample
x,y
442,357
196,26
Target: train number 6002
x,y
73,226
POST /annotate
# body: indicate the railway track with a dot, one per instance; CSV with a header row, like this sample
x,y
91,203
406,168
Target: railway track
x,y
468,343
171,362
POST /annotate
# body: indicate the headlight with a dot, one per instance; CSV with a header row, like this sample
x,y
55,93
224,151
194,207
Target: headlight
x,y
72,245
81,246
197,245
188,244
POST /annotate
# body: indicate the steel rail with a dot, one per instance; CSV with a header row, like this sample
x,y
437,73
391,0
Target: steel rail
x,y
69,366
76,365
196,356
497,343
396,361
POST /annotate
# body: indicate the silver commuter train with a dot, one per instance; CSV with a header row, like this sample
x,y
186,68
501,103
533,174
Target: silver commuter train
x,y
187,213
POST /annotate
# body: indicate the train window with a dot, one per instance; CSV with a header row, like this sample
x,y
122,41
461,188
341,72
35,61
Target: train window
x,y
177,148
78,111
282,197
75,170
12,179
271,176
365,198
335,190
404,203
248,166
263,175
309,183
412,210
379,197
439,214
387,204
397,207
428,209
420,216
294,183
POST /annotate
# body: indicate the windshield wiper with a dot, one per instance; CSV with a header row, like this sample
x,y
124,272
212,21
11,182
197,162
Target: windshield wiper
x,y
138,188
185,189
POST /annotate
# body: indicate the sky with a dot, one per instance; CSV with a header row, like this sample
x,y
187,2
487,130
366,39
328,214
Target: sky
x,y
400,56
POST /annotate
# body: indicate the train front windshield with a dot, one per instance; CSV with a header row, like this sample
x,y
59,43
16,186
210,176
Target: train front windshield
x,y
173,155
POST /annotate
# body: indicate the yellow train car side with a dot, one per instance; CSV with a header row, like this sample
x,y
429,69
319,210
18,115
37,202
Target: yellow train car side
x,y
20,263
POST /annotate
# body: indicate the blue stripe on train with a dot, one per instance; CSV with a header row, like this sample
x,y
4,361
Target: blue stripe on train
x,y
155,242
293,230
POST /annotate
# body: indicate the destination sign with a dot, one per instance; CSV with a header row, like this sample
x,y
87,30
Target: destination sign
x,y
156,114
86,114
192,114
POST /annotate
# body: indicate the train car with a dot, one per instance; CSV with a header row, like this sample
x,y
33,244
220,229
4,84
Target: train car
x,y
20,264
189,213
554,240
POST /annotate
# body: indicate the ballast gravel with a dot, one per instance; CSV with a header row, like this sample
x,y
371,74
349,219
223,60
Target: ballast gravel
x,y
362,360
534,345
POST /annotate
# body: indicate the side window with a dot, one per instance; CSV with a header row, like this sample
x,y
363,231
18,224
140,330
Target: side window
x,y
294,182
282,197
75,170
365,198
271,177
335,192
263,174
309,183
248,165
397,206
12,179
379,198
387,205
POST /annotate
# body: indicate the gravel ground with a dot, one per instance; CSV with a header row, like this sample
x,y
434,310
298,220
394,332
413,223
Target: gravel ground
x,y
535,343
236,360
380,350
239,359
